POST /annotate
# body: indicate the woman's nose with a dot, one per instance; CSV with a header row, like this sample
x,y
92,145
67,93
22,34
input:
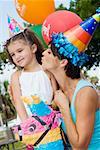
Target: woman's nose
x,y
46,52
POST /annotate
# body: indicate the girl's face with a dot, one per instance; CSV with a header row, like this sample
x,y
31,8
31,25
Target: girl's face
x,y
21,53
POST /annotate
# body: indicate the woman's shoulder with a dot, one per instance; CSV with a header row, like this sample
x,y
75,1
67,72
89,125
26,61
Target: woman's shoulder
x,y
87,88
84,83
87,95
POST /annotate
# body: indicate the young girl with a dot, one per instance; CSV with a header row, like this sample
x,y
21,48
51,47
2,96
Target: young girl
x,y
25,51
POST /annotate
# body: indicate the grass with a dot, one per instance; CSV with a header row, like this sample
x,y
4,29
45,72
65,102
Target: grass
x,y
18,146
6,136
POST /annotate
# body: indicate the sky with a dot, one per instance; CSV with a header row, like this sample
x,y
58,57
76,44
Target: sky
x,y
7,7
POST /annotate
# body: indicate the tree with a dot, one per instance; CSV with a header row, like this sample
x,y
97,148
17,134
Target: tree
x,y
61,7
85,9
3,57
6,101
94,80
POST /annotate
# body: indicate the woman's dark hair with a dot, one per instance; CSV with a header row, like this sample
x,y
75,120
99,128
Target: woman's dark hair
x,y
30,38
71,70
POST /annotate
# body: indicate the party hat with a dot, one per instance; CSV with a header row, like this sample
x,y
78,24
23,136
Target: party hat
x,y
81,35
14,26
73,43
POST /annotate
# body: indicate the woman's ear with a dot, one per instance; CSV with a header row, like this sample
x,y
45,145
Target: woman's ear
x,y
34,48
63,63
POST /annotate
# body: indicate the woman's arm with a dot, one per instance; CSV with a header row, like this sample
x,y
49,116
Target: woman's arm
x,y
80,133
16,94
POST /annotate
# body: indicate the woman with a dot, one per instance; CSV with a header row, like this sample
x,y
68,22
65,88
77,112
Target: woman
x,y
78,101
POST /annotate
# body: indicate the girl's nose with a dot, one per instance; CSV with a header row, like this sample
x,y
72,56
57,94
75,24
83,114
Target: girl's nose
x,y
17,56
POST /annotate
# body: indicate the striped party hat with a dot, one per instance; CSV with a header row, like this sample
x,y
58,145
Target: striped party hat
x,y
73,43
81,35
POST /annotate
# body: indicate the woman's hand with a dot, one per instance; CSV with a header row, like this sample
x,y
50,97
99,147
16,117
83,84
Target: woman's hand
x,y
61,100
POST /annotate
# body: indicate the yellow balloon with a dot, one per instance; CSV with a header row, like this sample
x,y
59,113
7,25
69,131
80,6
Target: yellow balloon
x,y
34,11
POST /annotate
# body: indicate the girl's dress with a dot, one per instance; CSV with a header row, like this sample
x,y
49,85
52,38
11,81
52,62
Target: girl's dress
x,y
35,83
37,92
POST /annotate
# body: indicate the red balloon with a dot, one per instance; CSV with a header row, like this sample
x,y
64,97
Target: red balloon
x,y
59,21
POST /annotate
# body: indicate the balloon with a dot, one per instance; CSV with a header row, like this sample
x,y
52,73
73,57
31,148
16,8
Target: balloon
x,y
34,11
38,31
59,21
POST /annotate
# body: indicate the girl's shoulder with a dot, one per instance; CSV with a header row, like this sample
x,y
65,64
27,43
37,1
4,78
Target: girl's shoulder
x,y
47,73
15,75
14,83
53,81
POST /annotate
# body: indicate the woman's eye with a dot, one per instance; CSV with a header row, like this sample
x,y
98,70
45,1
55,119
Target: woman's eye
x,y
20,50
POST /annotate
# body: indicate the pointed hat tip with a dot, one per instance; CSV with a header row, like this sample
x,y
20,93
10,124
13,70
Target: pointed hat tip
x,y
98,10
97,15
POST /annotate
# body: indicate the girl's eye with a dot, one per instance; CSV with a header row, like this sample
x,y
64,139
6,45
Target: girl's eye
x,y
12,55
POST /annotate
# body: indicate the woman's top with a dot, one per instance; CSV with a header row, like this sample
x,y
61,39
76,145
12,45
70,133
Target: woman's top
x,y
95,140
35,83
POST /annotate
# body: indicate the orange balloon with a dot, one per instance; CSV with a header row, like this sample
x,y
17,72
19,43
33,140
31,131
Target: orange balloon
x,y
34,11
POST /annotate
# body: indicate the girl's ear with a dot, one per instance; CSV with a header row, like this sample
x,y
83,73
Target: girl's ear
x,y
34,48
63,63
